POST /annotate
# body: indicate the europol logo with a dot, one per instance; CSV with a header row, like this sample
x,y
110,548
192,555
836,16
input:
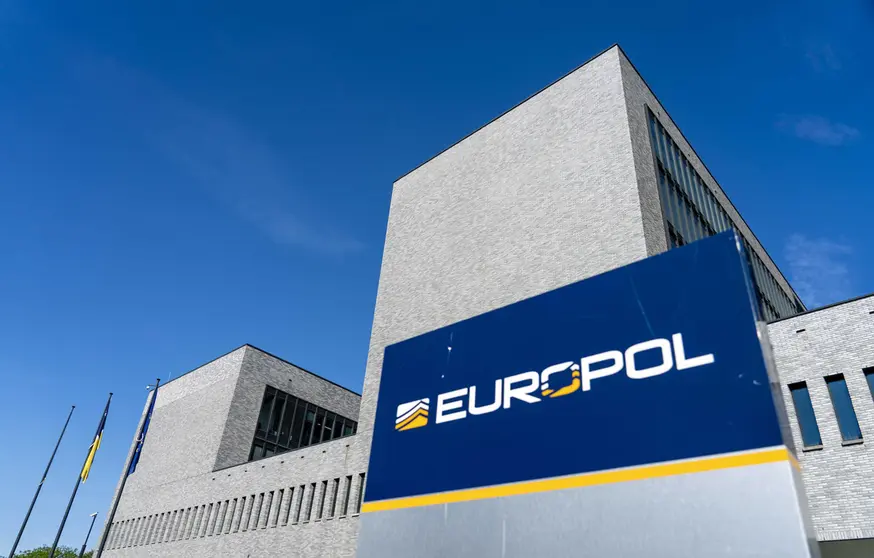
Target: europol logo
x,y
521,388
412,415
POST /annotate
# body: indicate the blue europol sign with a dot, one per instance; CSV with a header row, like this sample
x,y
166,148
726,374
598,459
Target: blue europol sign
x,y
650,370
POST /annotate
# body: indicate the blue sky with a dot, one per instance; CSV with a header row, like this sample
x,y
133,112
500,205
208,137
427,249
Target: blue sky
x,y
180,178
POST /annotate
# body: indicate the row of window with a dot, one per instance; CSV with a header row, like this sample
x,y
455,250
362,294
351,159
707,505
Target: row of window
x,y
277,508
287,422
842,402
692,212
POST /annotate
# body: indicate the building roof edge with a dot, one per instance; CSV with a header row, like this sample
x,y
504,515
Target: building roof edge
x,y
514,107
826,307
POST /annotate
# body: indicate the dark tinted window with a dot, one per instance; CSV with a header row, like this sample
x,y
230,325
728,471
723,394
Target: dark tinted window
x,y
286,423
308,419
329,426
297,424
806,418
275,416
287,417
319,426
846,414
266,409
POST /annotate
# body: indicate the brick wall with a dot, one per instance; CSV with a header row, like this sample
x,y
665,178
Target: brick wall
x,y
839,478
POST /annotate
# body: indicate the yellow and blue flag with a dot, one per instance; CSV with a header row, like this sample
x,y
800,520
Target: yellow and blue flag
x,y
95,445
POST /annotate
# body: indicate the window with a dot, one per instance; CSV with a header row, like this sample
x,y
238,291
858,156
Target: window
x,y
322,493
840,395
310,501
334,493
360,493
806,418
286,423
346,496
692,212
869,376
308,420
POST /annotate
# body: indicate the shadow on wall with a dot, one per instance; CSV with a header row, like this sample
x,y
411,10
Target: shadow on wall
x,y
847,549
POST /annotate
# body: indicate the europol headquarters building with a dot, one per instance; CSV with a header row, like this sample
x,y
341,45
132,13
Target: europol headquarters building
x,y
250,455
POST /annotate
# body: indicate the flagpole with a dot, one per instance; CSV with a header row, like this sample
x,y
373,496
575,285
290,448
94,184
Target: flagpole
x,y
39,486
85,544
79,479
105,535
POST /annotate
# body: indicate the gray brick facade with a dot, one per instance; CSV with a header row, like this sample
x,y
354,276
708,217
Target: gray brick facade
x,y
838,478
195,494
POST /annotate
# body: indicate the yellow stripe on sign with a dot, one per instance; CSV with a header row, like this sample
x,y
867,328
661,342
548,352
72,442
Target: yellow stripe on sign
x,y
759,457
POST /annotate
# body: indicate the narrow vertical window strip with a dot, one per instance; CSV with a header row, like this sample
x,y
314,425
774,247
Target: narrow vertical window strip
x,y
152,526
168,526
334,491
805,415
207,519
256,511
135,529
288,506
322,494
126,534
195,522
244,526
298,508
346,493
277,508
267,502
141,532
186,526
177,526
691,194
141,536
238,505
676,205
174,517
113,528
133,534
180,525
848,424
224,523
360,500
310,499
159,527
869,378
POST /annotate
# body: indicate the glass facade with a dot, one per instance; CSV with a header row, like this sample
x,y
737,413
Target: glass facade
x,y
286,423
692,212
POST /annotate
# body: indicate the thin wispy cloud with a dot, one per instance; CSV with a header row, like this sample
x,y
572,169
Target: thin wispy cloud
x,y
818,269
818,129
823,57
221,157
